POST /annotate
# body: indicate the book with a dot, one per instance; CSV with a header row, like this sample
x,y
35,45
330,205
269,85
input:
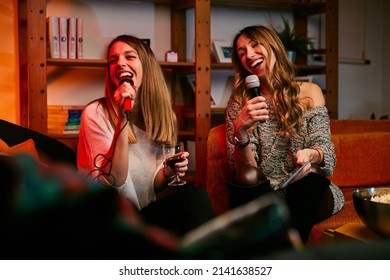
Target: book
x,y
57,119
57,114
72,127
79,38
52,43
70,132
72,37
65,107
74,113
73,120
63,27
64,119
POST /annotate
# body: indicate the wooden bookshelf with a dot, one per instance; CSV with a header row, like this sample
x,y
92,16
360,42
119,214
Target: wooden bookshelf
x,y
33,60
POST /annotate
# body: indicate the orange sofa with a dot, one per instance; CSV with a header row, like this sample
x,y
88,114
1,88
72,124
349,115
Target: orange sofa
x,y
362,149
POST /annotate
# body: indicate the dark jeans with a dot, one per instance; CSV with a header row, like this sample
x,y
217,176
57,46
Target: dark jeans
x,y
185,209
310,200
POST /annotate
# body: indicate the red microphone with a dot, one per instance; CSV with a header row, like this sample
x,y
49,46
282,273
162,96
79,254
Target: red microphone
x,y
127,102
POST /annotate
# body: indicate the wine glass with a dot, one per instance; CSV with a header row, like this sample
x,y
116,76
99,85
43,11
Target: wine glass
x,y
172,156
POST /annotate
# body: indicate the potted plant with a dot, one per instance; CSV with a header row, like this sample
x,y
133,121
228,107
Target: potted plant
x,y
292,42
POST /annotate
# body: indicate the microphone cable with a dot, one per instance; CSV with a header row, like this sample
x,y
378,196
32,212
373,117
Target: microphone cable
x,y
98,168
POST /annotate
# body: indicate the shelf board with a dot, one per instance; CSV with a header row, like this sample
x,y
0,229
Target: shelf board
x,y
188,65
76,136
225,65
314,69
288,5
186,133
102,63
217,109
76,62
302,7
64,136
242,4
311,69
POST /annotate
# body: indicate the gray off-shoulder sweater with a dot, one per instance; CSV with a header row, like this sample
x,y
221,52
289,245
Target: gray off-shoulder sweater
x,y
275,154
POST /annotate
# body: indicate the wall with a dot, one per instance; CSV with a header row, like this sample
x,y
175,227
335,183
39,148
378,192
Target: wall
x,y
362,88
9,74
385,98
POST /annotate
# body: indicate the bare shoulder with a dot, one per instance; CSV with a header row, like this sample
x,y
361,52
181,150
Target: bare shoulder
x,y
313,93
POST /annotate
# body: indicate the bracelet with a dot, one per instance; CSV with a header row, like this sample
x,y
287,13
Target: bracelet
x,y
319,155
103,180
241,143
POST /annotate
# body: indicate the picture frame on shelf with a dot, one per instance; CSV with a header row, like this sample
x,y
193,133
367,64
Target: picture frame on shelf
x,y
191,82
222,50
227,91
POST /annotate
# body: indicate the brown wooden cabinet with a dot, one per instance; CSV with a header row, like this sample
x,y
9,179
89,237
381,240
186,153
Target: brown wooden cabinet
x,y
33,60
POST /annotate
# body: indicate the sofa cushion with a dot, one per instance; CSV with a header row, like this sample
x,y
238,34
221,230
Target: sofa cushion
x,y
27,147
48,148
360,159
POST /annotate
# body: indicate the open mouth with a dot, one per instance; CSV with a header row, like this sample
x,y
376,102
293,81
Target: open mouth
x,y
257,63
125,75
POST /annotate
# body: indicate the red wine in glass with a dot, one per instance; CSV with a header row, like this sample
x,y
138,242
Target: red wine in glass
x,y
171,161
172,156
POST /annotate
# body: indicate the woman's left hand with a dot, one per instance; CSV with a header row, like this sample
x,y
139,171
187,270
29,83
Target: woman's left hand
x,y
182,166
303,156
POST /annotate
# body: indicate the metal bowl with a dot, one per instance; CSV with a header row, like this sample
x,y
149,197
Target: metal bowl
x,y
375,215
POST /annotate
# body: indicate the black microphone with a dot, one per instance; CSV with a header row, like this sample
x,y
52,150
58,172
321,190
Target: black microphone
x,y
252,84
127,102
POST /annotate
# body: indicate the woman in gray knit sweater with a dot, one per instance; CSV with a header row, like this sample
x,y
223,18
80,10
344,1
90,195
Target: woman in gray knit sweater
x,y
280,129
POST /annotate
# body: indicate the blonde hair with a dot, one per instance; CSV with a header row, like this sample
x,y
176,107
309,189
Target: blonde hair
x,y
152,110
287,106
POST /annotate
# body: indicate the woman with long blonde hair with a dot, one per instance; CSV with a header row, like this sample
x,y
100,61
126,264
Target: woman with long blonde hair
x,y
121,138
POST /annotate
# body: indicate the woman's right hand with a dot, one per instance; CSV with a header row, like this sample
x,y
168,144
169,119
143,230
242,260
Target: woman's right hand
x,y
254,110
125,90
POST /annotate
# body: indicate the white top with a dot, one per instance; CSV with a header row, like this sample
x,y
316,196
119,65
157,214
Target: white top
x,y
145,157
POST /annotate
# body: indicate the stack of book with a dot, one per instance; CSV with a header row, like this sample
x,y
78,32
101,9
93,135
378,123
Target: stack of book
x,y
64,37
63,119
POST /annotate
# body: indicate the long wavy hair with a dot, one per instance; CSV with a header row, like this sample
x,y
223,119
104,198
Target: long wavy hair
x,y
288,108
152,110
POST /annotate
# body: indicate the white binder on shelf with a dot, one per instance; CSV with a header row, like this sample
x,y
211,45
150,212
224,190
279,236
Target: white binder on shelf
x,y
72,34
79,38
63,24
53,37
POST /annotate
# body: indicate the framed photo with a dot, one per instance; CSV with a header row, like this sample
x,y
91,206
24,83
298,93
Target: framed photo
x,y
191,82
223,51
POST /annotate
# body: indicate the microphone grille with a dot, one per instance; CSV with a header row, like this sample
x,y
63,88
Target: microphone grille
x,y
252,81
